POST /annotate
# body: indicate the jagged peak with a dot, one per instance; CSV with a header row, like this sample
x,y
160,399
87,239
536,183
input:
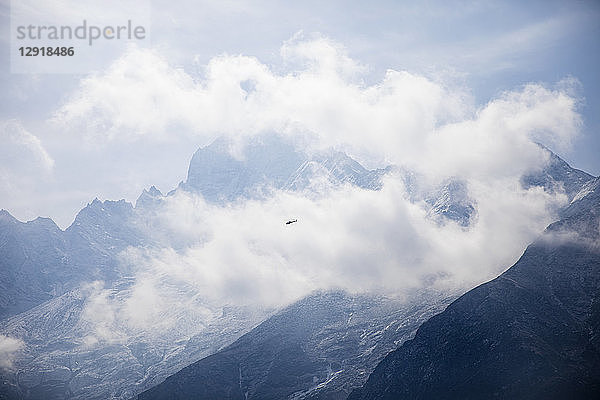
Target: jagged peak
x,y
109,203
154,191
106,207
148,196
5,216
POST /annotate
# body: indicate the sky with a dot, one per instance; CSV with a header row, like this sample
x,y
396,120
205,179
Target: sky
x,y
52,165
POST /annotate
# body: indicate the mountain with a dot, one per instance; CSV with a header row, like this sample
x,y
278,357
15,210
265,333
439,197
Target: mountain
x,y
149,198
451,201
274,163
34,265
557,175
64,358
531,333
50,279
39,261
220,177
271,162
318,348
45,271
99,232
60,274
334,168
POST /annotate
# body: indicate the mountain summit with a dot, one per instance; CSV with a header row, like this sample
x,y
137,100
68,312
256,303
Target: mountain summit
x,y
269,163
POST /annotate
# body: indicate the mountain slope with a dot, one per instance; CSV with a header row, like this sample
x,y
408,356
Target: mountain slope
x,y
34,264
39,261
531,333
63,361
318,348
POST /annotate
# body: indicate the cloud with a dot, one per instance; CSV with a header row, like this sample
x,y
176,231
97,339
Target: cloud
x,y
21,149
346,237
25,167
499,140
100,311
9,347
586,236
140,95
321,55
321,99
243,255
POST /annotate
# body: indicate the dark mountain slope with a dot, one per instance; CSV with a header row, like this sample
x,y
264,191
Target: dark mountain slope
x,y
531,333
319,348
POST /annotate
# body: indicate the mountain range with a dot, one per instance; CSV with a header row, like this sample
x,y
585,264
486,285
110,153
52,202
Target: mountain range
x,y
323,346
49,278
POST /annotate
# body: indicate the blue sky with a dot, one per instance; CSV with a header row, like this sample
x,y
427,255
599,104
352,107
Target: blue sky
x,y
479,49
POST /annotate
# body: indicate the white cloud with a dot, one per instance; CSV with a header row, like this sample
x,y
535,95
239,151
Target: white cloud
x,y
499,141
25,167
322,101
406,119
243,255
141,96
9,347
138,94
21,149
101,312
350,238
320,54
